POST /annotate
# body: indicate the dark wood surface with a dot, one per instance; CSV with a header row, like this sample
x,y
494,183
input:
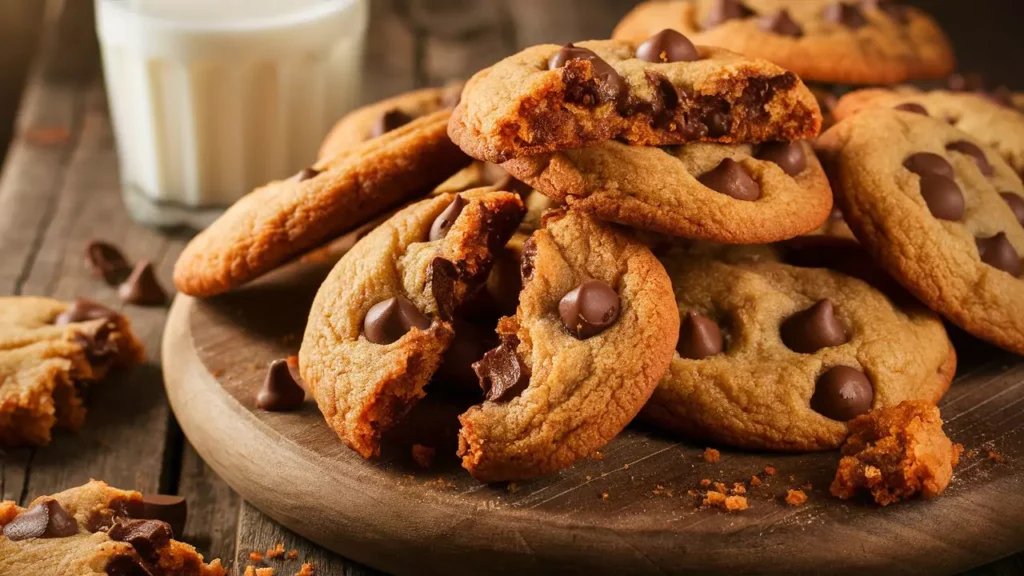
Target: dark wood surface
x,y
59,189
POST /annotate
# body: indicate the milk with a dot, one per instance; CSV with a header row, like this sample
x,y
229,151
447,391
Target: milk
x,y
212,98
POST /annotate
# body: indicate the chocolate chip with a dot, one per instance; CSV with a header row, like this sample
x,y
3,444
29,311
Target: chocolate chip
x,y
443,276
98,345
443,223
612,86
731,179
529,255
848,15
470,345
106,261
503,375
789,156
699,337
142,288
84,310
718,123
391,319
667,46
913,107
999,253
812,329
46,519
589,309
280,392
843,393
306,174
782,24
1016,204
725,10
971,149
165,507
924,163
127,566
890,7
943,196
148,537
388,121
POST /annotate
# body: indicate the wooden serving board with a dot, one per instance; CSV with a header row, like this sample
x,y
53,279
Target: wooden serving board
x,y
629,510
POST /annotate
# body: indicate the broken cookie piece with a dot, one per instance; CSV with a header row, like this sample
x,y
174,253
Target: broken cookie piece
x,y
895,453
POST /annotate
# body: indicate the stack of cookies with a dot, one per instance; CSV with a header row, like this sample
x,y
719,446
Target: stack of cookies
x,y
617,229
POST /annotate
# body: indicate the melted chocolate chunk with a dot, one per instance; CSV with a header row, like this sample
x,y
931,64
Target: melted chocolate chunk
x,y
99,348
725,10
127,566
813,329
667,46
164,507
972,150
148,537
503,375
589,80
731,179
589,309
391,319
46,519
84,310
843,393
926,163
280,392
914,108
998,253
444,222
943,196
789,156
699,337
781,23
142,288
107,262
388,121
443,276
529,255
845,14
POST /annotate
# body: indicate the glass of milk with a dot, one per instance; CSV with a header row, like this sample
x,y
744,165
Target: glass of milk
x,y
212,98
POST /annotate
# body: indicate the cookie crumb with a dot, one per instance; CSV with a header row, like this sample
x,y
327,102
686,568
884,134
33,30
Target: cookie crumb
x,y
728,503
970,453
796,497
307,570
597,456
711,455
993,455
895,453
604,495
755,481
769,470
276,552
253,571
423,455
705,482
255,556
293,554
739,488
720,487
625,466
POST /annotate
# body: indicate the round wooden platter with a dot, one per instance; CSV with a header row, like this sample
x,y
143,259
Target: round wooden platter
x,y
633,508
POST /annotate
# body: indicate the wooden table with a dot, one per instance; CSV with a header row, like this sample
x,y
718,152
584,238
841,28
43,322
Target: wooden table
x,y
59,189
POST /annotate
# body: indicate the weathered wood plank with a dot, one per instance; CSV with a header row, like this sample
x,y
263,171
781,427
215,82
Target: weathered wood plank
x,y
213,508
20,22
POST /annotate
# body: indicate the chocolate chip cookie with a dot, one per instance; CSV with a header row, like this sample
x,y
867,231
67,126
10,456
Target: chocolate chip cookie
x,y
844,42
49,352
940,211
739,193
383,318
658,91
287,218
995,124
92,530
776,357
579,359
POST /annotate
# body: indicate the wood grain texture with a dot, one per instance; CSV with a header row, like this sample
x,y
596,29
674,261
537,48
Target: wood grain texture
x,y
397,517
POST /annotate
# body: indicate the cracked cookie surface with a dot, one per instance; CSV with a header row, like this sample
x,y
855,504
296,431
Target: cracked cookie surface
x,y
382,320
690,190
49,351
549,98
561,391
772,356
284,219
939,211
820,40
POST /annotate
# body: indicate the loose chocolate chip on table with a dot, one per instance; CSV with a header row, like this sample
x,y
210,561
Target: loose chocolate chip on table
x,y
389,320
782,24
84,310
1016,204
731,179
44,520
142,287
148,537
848,15
613,85
667,46
789,156
589,309
165,507
306,174
812,329
972,150
913,107
503,376
843,393
943,196
724,10
924,163
999,253
443,223
388,121
106,261
280,391
699,337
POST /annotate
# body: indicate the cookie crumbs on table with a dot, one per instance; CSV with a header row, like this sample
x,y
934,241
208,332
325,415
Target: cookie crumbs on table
x,y
256,556
996,457
306,570
796,497
276,552
714,499
254,571
711,455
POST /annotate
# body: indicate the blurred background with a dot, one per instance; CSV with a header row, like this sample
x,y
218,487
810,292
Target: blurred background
x,y
430,42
